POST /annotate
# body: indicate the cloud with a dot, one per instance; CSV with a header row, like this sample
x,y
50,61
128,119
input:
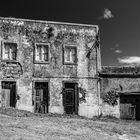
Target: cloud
x,y
115,47
118,51
107,14
130,60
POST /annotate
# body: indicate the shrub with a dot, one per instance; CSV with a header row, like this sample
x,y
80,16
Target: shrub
x,y
110,97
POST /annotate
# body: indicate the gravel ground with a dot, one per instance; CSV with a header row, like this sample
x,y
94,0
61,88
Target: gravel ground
x,y
23,125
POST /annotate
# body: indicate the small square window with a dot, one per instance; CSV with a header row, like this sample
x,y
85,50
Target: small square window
x,y
9,51
70,55
41,53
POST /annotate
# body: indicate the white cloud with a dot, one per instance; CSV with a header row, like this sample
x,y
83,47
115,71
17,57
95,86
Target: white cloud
x,y
130,60
107,14
115,47
118,51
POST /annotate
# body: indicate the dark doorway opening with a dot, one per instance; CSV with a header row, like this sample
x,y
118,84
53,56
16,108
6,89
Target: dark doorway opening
x,y
8,94
130,106
70,98
41,97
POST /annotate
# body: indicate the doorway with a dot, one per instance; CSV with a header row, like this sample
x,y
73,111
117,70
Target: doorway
x,y
41,97
70,98
130,106
8,98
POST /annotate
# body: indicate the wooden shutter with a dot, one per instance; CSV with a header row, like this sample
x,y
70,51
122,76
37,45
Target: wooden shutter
x,y
127,111
5,98
13,51
73,55
38,53
6,51
45,53
38,100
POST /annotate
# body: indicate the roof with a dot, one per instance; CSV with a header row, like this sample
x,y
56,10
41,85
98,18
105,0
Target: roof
x,y
123,69
120,72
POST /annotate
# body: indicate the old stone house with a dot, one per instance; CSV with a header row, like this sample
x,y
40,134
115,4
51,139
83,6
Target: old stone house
x,y
49,67
126,82
56,67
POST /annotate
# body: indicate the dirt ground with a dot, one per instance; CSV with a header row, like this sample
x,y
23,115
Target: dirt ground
x,y
23,125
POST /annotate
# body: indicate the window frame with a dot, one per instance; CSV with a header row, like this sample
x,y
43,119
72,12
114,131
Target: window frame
x,y
35,51
76,58
2,51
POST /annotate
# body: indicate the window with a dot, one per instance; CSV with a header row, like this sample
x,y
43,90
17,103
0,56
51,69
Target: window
x,y
41,53
9,51
70,55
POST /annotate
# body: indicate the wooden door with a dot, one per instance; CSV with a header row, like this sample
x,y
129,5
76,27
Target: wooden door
x,y
5,98
41,97
138,111
69,101
13,95
70,98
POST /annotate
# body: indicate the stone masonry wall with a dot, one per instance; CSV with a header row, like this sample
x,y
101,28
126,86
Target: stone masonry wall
x,y
26,33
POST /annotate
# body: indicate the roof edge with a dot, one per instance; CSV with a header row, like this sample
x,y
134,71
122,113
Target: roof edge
x,y
53,22
125,66
118,75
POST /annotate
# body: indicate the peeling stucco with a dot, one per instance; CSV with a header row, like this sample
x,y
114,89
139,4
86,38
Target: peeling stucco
x,y
26,33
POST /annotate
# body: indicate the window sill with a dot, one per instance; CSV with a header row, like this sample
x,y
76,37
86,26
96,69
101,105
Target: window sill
x,y
41,62
6,60
68,63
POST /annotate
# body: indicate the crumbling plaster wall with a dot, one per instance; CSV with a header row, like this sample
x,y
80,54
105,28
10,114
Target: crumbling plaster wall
x,y
22,74
26,34
122,85
91,105
69,35
88,96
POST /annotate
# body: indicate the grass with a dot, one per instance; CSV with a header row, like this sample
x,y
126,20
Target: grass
x,y
18,124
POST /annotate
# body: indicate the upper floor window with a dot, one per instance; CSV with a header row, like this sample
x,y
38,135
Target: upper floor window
x,y
70,55
9,51
41,53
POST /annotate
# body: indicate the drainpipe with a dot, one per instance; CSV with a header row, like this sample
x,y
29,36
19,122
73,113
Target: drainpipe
x,y
98,68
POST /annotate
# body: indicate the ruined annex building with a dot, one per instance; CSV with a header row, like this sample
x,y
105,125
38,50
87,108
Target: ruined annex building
x,y
50,67
120,91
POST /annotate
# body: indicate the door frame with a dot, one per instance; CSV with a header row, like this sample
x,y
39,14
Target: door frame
x,y
16,88
76,100
33,92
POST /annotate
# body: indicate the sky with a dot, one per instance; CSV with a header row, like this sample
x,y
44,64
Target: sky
x,y
118,20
